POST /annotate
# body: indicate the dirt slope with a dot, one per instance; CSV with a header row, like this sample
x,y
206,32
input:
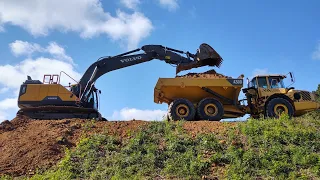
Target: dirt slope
x,y
26,145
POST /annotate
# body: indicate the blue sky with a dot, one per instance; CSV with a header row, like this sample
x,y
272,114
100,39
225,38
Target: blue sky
x,y
251,36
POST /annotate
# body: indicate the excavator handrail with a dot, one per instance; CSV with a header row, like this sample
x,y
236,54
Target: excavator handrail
x,y
68,76
77,82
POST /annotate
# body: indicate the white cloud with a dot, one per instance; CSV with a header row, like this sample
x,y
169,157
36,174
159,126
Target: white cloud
x,y
86,17
1,28
58,52
316,53
257,72
170,4
13,75
128,29
8,103
35,68
3,116
7,106
19,48
24,48
4,90
138,114
131,4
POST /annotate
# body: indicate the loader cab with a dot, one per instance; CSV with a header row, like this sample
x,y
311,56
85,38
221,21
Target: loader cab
x,y
267,82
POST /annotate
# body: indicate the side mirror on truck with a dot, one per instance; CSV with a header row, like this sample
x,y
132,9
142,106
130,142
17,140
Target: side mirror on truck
x,y
292,77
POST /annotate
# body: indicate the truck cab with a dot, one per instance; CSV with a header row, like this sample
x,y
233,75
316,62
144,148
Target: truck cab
x,y
268,95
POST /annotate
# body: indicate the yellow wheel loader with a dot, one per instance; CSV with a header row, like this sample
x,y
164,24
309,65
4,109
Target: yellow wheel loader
x,y
51,100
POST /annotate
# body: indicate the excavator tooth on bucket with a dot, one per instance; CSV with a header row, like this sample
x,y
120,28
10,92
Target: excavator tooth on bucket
x,y
205,56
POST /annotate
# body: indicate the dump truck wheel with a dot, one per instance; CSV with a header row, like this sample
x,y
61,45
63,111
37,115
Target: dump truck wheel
x,y
181,109
210,109
277,106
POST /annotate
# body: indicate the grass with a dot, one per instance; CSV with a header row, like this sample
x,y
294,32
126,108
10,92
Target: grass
x,y
265,148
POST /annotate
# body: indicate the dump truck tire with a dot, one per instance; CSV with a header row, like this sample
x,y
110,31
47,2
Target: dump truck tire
x,y
279,104
181,109
210,109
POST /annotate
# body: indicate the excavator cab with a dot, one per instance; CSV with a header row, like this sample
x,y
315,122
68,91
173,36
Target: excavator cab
x,y
92,99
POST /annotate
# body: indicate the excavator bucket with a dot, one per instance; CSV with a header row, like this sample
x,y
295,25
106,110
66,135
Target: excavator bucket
x,y
205,56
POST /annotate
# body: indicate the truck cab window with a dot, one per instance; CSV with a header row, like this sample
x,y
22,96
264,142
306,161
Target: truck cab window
x,y
276,82
262,82
253,83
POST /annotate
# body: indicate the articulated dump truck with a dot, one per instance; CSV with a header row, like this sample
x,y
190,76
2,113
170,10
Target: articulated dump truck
x,y
212,96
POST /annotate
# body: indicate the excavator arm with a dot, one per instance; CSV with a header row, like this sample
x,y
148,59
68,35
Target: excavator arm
x,y
106,64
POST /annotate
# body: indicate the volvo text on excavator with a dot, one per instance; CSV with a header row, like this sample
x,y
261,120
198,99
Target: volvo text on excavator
x,y
51,100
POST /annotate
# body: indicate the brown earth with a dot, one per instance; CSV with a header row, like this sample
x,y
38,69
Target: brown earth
x,y
26,145
208,74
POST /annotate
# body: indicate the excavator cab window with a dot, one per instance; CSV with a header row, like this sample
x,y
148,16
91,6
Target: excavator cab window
x,y
92,100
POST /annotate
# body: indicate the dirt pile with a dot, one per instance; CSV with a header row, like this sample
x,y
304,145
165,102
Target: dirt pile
x,y
208,74
26,145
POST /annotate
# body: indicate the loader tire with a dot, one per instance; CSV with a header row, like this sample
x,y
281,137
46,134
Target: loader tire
x,y
181,109
277,106
210,109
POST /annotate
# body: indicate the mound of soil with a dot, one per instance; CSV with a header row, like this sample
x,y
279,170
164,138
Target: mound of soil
x,y
27,145
208,74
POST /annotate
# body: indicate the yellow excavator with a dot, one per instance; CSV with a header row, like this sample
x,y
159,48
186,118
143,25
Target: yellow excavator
x,y
51,100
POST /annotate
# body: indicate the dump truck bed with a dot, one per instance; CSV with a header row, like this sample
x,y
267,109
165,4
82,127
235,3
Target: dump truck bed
x,y
226,90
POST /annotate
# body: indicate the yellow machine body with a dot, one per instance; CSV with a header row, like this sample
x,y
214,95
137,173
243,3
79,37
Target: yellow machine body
x,y
169,89
51,100
41,94
302,101
262,98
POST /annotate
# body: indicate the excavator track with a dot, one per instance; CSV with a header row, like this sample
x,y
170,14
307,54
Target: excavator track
x,y
60,112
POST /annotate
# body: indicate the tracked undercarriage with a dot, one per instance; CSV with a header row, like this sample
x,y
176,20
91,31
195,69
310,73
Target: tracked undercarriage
x,y
60,112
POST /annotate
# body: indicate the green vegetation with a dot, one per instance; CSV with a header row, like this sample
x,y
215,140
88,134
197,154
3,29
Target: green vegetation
x,y
265,148
318,93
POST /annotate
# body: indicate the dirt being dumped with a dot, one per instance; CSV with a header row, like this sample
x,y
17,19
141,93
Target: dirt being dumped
x,y
208,74
27,145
